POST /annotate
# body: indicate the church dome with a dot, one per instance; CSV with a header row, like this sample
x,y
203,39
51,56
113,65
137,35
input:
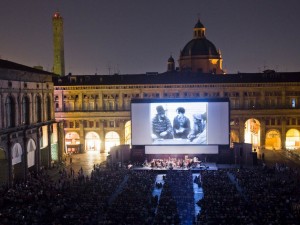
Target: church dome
x,y
200,54
199,46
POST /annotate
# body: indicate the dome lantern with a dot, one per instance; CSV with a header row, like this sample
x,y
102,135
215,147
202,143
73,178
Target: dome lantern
x,y
199,30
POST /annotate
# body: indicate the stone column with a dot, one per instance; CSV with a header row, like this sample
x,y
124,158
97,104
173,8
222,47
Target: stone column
x,y
241,99
262,132
24,155
80,100
283,99
49,130
283,132
38,150
9,162
61,140
82,137
121,101
102,136
122,132
262,99
60,101
100,100
242,130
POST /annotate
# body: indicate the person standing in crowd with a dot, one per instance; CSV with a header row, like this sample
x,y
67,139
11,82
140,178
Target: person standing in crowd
x,y
198,133
181,124
161,125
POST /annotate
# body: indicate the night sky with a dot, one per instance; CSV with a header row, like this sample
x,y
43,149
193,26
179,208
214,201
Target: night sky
x,y
138,36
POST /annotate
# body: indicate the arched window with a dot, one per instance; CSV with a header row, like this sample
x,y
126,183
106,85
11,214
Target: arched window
x,y
25,110
38,108
10,111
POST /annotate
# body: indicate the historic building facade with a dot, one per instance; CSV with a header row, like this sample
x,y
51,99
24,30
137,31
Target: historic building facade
x,y
96,109
28,131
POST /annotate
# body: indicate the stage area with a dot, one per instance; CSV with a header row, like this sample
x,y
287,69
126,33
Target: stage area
x,y
198,167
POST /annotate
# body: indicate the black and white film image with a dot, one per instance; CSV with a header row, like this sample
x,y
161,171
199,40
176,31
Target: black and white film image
x,y
179,123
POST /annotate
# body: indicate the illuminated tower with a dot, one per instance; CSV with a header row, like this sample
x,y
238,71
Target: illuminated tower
x,y
58,43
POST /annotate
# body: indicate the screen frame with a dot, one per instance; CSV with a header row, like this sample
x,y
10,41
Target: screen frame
x,y
182,100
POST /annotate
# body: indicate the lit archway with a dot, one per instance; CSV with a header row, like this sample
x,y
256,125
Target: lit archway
x,y
273,140
128,133
234,137
292,140
31,147
252,133
16,154
72,142
111,139
92,142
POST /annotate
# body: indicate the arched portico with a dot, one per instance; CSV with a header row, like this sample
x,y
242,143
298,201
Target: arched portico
x,y
252,132
72,142
292,140
92,142
31,148
112,138
273,140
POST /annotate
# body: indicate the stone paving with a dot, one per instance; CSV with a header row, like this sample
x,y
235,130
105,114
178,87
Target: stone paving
x,y
86,161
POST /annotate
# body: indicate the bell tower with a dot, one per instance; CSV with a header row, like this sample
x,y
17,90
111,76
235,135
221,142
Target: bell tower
x,y
58,44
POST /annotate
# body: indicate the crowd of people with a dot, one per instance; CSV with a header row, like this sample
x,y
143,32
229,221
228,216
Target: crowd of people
x,y
257,195
68,200
176,203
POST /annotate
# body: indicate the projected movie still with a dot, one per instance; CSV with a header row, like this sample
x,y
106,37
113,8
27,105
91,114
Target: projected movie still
x,y
179,122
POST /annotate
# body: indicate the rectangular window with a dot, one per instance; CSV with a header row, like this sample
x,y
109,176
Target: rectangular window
x,y
105,123
273,121
267,122
111,123
85,124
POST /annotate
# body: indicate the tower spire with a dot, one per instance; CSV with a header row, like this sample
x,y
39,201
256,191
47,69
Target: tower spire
x,y
58,44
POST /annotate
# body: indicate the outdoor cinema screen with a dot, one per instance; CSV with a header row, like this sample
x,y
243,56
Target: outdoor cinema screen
x,y
180,122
